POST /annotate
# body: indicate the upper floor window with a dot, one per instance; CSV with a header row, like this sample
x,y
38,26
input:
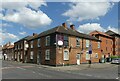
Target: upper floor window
x,y
106,41
98,44
39,42
77,41
47,40
15,47
87,43
18,46
47,54
111,42
66,55
21,45
31,44
66,41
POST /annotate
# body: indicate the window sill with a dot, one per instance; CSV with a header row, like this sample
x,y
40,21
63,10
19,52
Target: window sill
x,y
65,60
47,60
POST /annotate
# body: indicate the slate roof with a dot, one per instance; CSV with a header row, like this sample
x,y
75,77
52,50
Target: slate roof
x,y
68,31
101,33
111,33
25,38
11,46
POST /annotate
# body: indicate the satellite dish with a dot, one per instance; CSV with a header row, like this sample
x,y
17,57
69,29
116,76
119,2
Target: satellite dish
x,y
60,43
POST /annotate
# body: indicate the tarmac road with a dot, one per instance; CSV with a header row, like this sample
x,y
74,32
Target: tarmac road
x,y
15,70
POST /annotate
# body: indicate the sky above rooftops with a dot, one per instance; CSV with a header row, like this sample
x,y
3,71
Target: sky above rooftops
x,y
19,19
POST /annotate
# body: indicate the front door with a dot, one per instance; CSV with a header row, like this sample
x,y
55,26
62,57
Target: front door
x,y
38,58
18,58
78,59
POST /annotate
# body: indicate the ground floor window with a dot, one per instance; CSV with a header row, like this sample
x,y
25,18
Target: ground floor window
x,y
31,55
47,54
66,55
87,55
21,56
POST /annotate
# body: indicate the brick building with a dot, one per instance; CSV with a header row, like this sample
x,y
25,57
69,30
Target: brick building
x,y
116,42
21,49
106,45
62,46
8,51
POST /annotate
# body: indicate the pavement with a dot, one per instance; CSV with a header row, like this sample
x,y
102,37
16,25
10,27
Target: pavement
x,y
84,66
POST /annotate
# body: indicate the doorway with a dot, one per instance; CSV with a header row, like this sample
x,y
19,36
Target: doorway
x,y
78,59
38,57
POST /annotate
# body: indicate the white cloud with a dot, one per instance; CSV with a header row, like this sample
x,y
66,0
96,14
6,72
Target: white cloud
x,y
87,10
5,25
113,29
12,4
22,33
87,28
8,36
26,16
29,18
5,36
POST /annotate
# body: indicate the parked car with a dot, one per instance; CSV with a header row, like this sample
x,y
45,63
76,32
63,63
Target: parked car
x,y
116,61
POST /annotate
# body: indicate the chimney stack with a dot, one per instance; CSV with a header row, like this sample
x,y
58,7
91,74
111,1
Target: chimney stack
x,y
64,24
72,27
34,34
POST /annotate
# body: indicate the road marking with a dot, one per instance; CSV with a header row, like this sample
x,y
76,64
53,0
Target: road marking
x,y
16,67
33,71
21,68
88,75
117,78
44,75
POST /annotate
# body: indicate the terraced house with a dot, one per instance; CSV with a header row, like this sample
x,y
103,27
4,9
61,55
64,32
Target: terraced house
x,y
62,46
116,42
8,51
106,45
21,49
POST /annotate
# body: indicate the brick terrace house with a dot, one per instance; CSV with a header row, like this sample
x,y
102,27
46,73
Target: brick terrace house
x,y
62,46
106,45
20,49
116,42
8,51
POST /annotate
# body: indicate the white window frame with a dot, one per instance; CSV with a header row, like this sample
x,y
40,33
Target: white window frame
x,y
98,44
47,54
31,44
77,39
18,46
87,55
87,43
31,55
46,40
21,56
38,43
66,56
21,46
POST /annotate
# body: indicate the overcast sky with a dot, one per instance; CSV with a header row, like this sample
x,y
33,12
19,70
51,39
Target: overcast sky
x,y
19,19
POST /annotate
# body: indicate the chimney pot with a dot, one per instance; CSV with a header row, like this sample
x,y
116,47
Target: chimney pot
x,y
64,24
72,27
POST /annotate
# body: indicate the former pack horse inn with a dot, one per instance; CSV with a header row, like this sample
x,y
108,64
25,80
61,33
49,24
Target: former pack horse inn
x,y
63,45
